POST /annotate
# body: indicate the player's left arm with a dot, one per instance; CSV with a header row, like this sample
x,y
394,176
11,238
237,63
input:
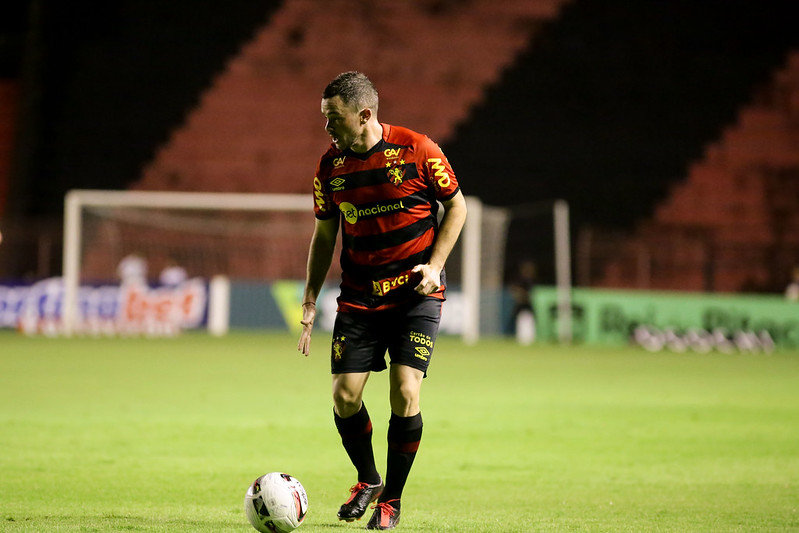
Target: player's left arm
x,y
451,225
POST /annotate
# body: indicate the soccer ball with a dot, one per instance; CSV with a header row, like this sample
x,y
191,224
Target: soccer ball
x,y
276,503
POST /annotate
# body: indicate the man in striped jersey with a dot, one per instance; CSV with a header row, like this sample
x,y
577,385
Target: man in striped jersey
x,y
380,185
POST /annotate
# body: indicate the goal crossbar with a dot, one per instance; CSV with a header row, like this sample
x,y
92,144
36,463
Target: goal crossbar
x,y
189,200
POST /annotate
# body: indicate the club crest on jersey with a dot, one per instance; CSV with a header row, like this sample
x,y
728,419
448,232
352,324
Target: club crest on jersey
x,y
395,170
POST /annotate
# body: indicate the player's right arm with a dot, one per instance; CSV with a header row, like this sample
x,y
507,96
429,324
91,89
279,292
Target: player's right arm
x,y
320,256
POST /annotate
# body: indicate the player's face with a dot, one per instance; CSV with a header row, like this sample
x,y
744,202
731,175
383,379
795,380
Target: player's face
x,y
343,123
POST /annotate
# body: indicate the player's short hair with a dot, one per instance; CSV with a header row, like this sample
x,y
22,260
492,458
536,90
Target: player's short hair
x,y
355,90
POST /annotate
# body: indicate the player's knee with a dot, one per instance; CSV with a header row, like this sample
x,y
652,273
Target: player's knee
x,y
346,402
405,399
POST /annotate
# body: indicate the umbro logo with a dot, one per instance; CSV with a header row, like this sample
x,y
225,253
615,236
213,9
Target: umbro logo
x,y
422,353
337,184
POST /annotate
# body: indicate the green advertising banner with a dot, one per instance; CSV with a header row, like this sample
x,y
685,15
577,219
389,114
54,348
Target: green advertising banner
x,y
672,319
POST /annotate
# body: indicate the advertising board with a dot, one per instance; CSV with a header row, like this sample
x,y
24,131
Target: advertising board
x,y
673,320
127,309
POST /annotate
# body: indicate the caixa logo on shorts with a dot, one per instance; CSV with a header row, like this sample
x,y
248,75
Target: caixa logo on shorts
x,y
422,342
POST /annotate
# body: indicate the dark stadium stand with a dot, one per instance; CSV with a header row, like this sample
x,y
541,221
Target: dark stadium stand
x,y
258,128
733,223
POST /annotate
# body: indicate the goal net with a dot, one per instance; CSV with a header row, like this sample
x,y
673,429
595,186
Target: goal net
x,y
117,244
173,256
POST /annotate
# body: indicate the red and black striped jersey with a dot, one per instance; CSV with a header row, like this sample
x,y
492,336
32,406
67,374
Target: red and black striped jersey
x,y
386,201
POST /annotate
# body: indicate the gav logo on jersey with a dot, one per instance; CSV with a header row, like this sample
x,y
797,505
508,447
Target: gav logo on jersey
x,y
352,213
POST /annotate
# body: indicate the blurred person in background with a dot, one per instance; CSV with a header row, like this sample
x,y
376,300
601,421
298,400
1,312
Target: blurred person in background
x,y
133,269
172,274
792,290
523,315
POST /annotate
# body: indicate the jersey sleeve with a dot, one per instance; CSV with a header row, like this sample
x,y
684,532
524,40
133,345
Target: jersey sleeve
x,y
438,171
323,205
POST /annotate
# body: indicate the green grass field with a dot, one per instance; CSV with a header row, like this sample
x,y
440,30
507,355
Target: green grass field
x,y
166,435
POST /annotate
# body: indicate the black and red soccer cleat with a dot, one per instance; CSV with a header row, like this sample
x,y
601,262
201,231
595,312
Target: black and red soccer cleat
x,y
362,494
386,515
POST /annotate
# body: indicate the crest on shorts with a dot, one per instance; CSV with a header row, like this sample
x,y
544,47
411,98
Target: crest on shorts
x,y
395,170
339,344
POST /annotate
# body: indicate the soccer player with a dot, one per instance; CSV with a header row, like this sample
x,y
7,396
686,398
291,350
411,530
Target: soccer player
x,y
379,184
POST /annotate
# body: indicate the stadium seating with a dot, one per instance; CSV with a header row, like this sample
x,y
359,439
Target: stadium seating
x,y
258,128
733,223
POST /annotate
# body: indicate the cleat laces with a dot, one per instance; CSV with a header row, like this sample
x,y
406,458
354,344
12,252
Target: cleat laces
x,y
386,510
355,489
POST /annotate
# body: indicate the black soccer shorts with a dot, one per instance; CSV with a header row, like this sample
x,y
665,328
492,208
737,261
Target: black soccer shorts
x,y
408,334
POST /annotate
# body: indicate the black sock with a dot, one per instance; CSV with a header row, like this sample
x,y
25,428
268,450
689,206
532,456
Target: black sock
x,y
356,436
404,435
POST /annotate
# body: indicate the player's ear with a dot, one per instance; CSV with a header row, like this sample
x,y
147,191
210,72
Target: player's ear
x,y
365,115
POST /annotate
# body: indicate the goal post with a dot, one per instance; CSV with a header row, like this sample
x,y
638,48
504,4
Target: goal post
x,y
471,238
484,249
563,271
539,248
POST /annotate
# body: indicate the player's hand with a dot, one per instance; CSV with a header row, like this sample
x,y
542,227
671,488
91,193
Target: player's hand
x,y
431,279
308,316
